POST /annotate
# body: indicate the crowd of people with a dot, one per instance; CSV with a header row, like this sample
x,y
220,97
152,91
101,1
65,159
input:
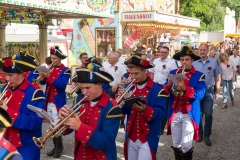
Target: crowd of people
x,y
144,93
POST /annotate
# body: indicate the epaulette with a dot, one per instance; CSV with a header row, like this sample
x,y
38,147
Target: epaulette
x,y
38,94
113,101
35,72
162,93
67,72
114,112
202,78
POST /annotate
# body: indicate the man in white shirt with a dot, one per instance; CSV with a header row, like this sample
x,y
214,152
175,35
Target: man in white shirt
x,y
116,70
236,60
121,60
160,72
163,66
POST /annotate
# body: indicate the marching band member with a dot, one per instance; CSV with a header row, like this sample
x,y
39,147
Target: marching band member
x,y
20,92
97,127
56,81
33,74
98,62
143,121
184,110
7,150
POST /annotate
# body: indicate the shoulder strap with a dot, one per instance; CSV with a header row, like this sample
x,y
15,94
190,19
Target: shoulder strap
x,y
176,64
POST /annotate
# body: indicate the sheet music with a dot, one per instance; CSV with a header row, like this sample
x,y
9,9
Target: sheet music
x,y
42,68
41,113
175,78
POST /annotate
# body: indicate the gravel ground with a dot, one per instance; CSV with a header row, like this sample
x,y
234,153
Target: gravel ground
x,y
225,138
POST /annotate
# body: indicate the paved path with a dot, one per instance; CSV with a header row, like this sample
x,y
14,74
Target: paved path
x,y
225,138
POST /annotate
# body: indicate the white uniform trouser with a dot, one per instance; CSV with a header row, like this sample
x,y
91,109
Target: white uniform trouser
x,y
182,131
138,150
52,111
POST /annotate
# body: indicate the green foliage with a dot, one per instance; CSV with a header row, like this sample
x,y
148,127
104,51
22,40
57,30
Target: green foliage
x,y
210,12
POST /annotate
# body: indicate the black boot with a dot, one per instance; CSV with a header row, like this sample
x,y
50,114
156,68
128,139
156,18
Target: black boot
x,y
187,155
177,153
53,150
59,147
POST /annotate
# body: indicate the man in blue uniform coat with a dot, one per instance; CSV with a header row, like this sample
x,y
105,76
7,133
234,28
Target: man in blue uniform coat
x,y
143,120
26,124
97,127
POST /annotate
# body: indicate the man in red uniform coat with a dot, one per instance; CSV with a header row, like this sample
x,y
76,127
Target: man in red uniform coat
x,y
97,127
56,79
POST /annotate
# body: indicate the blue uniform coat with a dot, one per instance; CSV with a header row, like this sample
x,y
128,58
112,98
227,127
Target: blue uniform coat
x,y
26,124
156,102
195,91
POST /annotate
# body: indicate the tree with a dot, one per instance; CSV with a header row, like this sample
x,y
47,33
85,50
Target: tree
x,y
210,12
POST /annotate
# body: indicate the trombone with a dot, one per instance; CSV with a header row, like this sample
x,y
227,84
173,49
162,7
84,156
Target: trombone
x,y
41,76
59,128
4,92
76,87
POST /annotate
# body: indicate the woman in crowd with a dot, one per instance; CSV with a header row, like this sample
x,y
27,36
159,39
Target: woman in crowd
x,y
228,70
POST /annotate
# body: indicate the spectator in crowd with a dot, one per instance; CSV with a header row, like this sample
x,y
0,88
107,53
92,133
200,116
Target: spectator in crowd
x,y
212,54
82,58
116,70
211,71
236,60
155,55
195,51
228,69
119,51
48,61
159,48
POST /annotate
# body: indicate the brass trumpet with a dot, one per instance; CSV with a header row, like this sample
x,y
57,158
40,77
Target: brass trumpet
x,y
59,128
179,92
76,87
41,76
3,94
126,93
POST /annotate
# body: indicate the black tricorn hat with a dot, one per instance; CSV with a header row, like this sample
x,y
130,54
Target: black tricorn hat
x,y
139,60
26,53
186,51
57,52
94,60
17,64
5,119
91,74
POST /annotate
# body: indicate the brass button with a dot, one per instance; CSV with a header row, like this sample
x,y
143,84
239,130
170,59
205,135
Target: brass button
x,y
103,156
145,124
87,137
137,130
19,142
137,134
99,111
15,114
84,156
89,132
95,118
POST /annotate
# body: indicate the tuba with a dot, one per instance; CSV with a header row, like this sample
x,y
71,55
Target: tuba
x,y
41,76
59,128
4,92
179,92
